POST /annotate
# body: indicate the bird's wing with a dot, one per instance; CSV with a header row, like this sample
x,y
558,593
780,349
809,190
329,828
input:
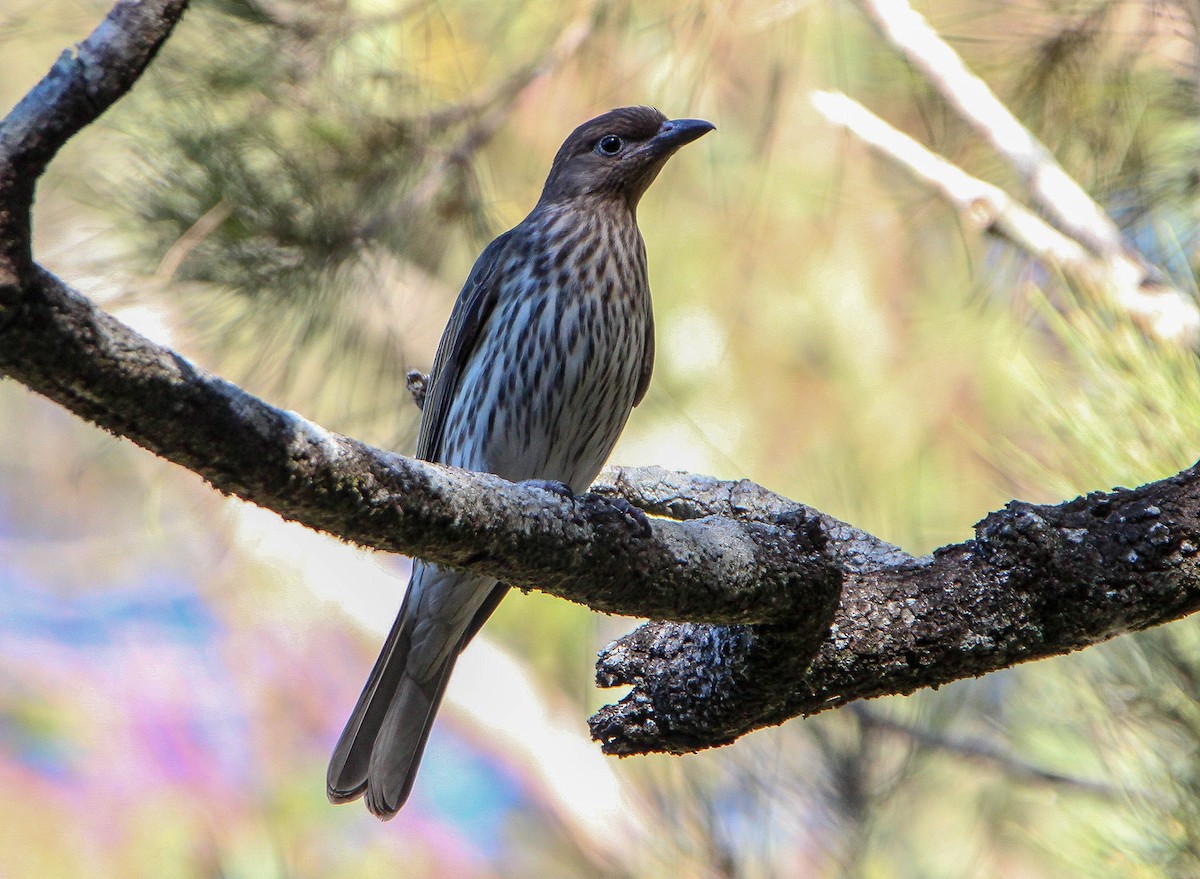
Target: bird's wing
x,y
471,311
647,360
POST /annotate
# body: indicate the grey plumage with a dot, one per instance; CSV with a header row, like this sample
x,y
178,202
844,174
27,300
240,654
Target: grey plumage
x,y
548,348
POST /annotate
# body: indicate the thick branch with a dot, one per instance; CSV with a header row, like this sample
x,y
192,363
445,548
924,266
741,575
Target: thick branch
x,y
82,84
584,549
1036,581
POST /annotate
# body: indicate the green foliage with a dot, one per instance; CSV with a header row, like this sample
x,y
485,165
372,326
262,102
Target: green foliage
x,y
293,169
259,125
1118,405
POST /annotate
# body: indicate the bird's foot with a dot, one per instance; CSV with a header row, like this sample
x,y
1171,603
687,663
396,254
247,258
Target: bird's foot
x,y
635,516
561,489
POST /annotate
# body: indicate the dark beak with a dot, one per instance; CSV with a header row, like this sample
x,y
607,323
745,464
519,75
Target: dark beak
x,y
678,132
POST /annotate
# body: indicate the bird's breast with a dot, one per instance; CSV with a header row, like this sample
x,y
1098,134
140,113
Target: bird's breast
x,y
553,380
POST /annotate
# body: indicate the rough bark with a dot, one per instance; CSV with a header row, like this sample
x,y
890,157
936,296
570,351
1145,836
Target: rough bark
x,y
779,609
1035,582
583,548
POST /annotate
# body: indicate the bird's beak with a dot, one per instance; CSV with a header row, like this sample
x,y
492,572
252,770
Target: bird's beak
x,y
676,133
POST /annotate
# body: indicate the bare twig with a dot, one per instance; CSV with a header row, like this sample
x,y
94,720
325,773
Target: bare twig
x,y
205,225
984,753
1130,281
982,204
1161,311
1051,187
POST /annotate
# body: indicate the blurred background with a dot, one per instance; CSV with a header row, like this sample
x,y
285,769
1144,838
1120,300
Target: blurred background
x,y
292,198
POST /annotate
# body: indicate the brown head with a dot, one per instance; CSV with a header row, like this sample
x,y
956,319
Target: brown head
x,y
618,155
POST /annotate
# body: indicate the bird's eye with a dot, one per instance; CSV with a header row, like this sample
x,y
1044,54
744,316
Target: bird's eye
x,y
609,145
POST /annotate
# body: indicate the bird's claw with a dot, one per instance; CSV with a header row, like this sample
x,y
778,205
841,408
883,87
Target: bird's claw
x,y
635,516
551,485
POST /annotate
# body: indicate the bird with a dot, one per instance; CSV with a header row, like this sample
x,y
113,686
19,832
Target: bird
x,y
549,346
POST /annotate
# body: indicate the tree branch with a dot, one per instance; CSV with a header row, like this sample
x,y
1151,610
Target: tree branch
x,y
1034,582
785,610
1160,310
582,548
1050,186
1115,268
985,205
85,81
989,755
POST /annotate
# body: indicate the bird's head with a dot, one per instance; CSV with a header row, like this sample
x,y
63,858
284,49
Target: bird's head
x,y
618,154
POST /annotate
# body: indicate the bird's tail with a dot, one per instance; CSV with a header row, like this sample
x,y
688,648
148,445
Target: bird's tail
x,y
394,714
380,749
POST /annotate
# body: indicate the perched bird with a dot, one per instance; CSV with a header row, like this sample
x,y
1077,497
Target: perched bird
x,y
548,348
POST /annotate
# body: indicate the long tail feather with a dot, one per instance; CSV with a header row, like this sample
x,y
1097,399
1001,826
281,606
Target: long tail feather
x,y
380,749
